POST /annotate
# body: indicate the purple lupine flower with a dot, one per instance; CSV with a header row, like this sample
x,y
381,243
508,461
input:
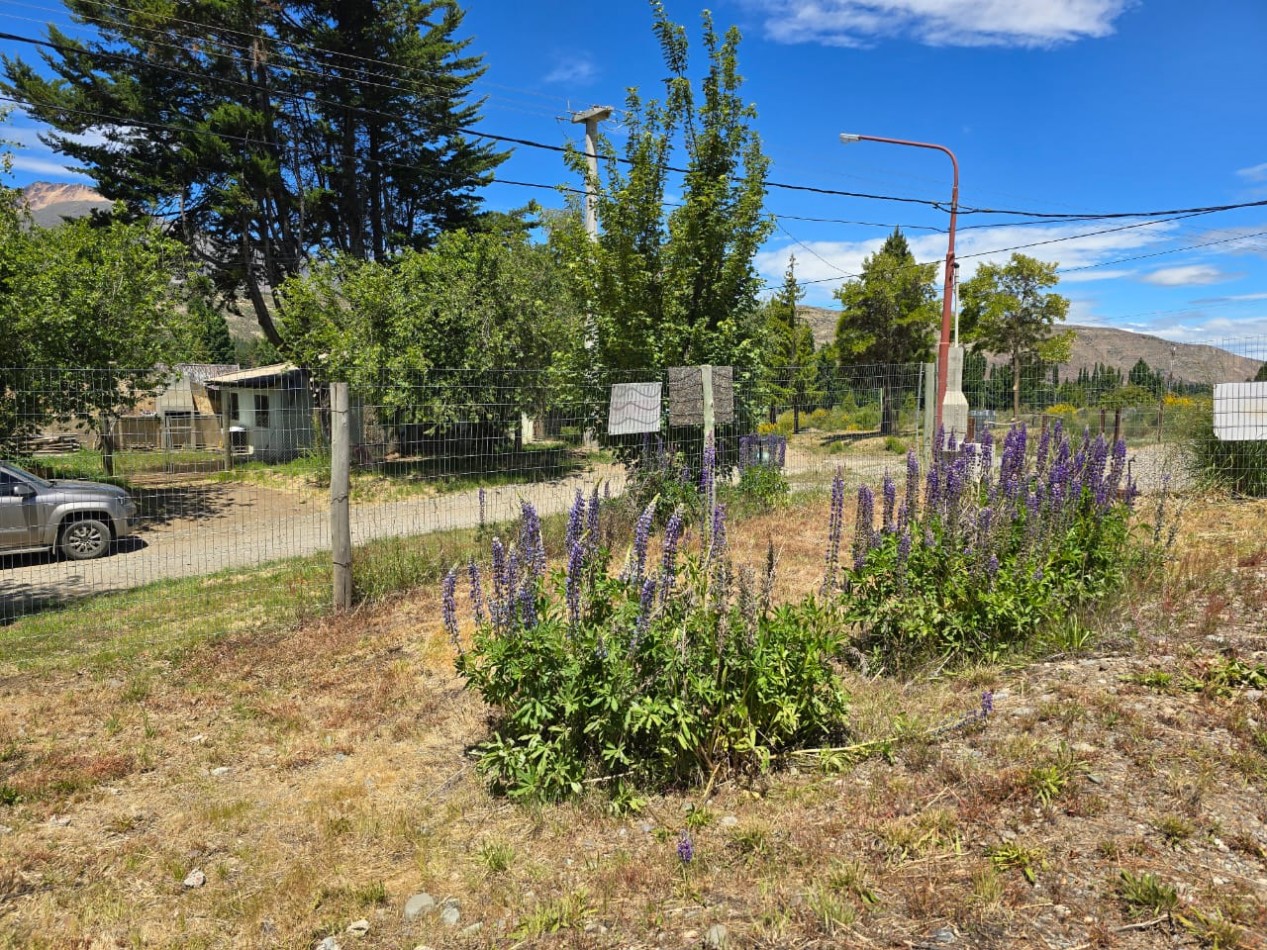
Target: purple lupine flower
x,y
530,541
642,536
477,590
449,605
685,848
575,570
890,502
528,602
593,525
987,458
984,519
1044,446
576,521
987,703
1038,574
932,485
600,647
1117,466
950,442
668,563
501,586
646,600
514,563
903,552
929,540
745,452
992,567
864,527
835,525
911,501
719,531
707,469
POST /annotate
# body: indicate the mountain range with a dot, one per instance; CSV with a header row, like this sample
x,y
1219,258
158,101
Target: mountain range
x,y
50,202
1120,349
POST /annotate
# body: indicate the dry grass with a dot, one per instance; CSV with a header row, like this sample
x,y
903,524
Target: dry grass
x,y
349,788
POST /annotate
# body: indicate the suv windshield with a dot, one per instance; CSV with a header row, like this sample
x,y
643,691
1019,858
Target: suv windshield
x,y
23,473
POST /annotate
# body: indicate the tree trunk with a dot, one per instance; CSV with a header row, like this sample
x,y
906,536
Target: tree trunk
x,y
107,445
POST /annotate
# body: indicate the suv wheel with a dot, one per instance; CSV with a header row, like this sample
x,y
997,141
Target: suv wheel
x,y
84,540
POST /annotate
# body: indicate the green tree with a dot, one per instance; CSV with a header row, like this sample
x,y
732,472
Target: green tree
x,y
680,288
96,291
889,317
438,336
265,132
791,371
1007,310
1261,375
212,342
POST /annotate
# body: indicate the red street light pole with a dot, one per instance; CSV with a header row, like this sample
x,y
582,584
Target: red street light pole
x,y
943,348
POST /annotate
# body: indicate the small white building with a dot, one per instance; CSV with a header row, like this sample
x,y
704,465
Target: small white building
x,y
267,410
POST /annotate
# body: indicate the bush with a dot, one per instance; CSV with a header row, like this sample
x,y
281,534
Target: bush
x,y
676,670
1237,467
981,562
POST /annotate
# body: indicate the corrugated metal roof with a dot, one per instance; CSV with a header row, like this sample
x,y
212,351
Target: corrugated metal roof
x,y
259,374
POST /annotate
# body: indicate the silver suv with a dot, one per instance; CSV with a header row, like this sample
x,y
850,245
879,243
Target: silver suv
x,y
79,518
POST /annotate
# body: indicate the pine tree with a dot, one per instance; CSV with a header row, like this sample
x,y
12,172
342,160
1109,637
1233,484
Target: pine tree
x,y
889,317
266,132
790,348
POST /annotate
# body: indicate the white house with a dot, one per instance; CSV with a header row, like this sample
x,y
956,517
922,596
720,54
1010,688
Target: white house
x,y
267,410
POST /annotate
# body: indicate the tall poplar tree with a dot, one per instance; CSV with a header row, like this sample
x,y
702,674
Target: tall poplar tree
x,y
264,133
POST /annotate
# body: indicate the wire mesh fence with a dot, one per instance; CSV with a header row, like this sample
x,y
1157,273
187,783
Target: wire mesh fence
x,y
214,482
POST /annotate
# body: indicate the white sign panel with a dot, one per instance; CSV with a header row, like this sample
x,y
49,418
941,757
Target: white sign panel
x,y
1240,412
634,408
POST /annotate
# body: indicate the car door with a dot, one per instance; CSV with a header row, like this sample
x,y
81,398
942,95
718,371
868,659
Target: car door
x,y
17,514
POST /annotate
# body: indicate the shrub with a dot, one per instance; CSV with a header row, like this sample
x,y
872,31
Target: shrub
x,y
665,478
676,669
762,485
1238,467
981,561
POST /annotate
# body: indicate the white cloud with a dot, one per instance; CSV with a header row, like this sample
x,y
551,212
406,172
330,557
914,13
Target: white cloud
x,y
1024,23
1254,172
39,166
1231,298
577,69
1189,275
826,260
1087,276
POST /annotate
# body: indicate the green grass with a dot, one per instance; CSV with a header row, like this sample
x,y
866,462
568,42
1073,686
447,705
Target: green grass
x,y
86,464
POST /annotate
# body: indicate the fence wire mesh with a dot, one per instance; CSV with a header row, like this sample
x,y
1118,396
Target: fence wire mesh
x,y
219,504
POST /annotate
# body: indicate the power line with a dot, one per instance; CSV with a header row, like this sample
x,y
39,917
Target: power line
x,y
532,143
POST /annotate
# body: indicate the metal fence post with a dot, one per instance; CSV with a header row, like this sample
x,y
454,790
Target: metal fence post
x,y
710,433
340,484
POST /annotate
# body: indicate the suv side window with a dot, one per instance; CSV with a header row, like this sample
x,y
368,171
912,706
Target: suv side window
x,y
7,479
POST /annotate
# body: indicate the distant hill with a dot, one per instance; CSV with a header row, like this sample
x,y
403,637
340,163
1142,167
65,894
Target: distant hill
x,y
50,202
1193,363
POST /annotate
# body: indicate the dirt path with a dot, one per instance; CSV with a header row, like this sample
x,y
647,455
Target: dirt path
x,y
216,526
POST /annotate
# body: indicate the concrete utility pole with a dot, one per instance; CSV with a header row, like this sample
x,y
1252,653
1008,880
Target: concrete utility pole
x,y
952,405
591,117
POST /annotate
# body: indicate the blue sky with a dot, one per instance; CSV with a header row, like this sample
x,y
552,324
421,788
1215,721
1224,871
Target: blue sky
x,y
1063,106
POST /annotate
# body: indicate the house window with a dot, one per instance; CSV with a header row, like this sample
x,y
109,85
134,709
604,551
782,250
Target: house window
x,y
261,412
235,411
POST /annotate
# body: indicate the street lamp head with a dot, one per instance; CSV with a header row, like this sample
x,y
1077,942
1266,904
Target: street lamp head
x,y
848,137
